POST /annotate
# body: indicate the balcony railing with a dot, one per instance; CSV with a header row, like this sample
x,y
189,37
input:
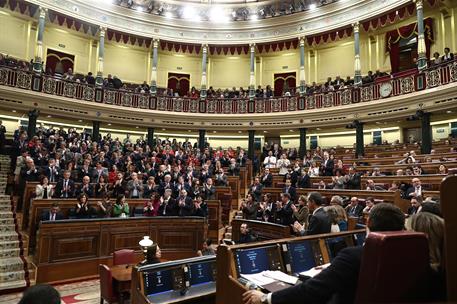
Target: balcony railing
x,y
404,83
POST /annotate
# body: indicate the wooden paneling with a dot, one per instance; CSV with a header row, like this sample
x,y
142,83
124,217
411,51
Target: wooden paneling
x,y
73,248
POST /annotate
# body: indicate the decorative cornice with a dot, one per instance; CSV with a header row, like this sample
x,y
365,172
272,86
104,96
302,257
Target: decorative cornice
x,y
322,19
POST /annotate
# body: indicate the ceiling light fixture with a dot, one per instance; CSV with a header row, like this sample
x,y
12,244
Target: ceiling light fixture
x,y
168,15
189,12
312,6
217,15
254,17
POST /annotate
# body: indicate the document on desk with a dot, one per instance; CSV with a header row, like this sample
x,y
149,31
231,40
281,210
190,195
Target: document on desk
x,y
280,276
315,270
258,278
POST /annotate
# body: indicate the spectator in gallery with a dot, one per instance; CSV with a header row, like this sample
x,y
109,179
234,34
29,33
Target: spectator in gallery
x,y
200,207
44,190
90,79
105,206
301,211
83,209
249,208
151,206
448,56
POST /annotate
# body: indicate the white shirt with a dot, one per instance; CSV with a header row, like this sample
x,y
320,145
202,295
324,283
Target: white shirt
x,y
282,164
270,162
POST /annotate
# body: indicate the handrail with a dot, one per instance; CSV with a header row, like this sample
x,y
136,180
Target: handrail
x,y
405,83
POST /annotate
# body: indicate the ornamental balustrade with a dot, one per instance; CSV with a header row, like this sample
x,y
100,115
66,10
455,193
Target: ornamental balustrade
x,y
403,83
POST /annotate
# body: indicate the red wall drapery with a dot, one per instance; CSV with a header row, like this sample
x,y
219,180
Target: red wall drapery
x,y
393,40
53,57
284,82
179,83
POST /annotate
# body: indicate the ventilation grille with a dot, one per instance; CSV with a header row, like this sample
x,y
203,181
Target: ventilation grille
x,y
126,118
281,123
328,119
226,124
388,111
445,100
182,123
68,110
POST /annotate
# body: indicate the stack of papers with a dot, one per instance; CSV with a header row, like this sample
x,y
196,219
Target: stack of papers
x,y
267,277
314,271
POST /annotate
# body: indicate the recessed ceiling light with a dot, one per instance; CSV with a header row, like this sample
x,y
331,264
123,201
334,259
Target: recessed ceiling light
x,y
139,8
214,131
240,131
312,6
14,111
80,120
291,130
168,15
49,116
137,127
448,111
109,124
318,129
164,129
254,17
265,131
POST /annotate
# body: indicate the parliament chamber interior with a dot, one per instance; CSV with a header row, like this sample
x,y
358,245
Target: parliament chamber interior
x,y
228,151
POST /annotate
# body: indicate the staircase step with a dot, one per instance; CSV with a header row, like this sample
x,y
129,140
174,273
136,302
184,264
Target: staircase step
x,y
12,284
9,253
9,245
11,265
8,236
12,276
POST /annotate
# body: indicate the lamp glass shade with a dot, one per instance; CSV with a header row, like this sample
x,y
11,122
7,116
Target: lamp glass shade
x,y
146,242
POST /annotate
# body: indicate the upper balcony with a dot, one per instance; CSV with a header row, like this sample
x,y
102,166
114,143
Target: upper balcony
x,y
388,98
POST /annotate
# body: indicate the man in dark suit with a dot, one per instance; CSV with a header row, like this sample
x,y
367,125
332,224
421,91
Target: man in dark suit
x,y
53,214
327,165
51,171
338,281
353,179
65,188
288,188
319,222
208,190
415,190
304,181
233,168
267,178
448,56
256,190
185,204
85,187
168,205
284,210
354,209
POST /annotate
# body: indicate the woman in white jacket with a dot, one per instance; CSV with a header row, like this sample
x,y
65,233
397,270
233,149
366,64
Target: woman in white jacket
x,y
44,190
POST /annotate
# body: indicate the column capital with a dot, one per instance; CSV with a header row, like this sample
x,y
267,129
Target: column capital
x,y
205,48
301,40
103,30
252,47
43,11
356,25
155,43
419,4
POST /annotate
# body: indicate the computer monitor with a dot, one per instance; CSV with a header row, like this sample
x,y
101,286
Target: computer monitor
x,y
163,280
202,272
255,260
300,256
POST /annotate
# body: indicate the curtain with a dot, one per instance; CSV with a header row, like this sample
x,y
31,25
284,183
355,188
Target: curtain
x,y
58,59
393,40
284,82
179,83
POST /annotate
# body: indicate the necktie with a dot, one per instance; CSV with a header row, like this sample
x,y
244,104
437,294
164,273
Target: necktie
x,y
53,217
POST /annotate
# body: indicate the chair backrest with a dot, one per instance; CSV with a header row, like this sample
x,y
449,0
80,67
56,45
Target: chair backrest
x,y
395,267
123,256
106,283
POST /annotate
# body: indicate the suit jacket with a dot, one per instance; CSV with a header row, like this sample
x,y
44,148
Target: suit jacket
x,y
319,223
257,193
267,181
168,209
46,215
88,191
304,182
292,191
185,210
131,187
328,168
353,182
337,283
39,191
250,211
221,180
208,193
234,170
52,175
284,215
354,211
59,191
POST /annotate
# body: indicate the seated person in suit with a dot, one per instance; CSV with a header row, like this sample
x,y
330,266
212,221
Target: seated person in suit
x,y
233,168
207,249
354,209
135,186
65,188
339,280
353,179
221,178
150,187
83,209
85,188
200,207
53,214
105,206
168,205
151,206
245,235
121,208
267,178
416,205
319,222
415,190
185,204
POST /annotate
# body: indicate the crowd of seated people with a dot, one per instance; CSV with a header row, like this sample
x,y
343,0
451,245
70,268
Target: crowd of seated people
x,y
174,178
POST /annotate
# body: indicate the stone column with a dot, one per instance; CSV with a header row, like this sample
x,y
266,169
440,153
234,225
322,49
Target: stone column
x,y
252,72
251,147
421,50
101,54
204,69
302,149
31,128
201,139
302,66
95,130
38,63
155,58
150,139
359,145
357,66
426,146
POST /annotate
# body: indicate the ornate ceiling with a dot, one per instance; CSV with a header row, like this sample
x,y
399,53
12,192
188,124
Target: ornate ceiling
x,y
188,30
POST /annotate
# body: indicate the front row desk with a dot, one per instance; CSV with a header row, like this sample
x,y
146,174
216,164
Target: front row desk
x,y
194,280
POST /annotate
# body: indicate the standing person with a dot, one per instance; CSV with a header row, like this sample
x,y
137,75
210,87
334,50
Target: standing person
x,y
44,190
151,206
249,208
301,212
284,210
319,222
121,208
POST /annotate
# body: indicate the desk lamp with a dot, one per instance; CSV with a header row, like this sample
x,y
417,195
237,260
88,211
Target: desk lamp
x,y
149,250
